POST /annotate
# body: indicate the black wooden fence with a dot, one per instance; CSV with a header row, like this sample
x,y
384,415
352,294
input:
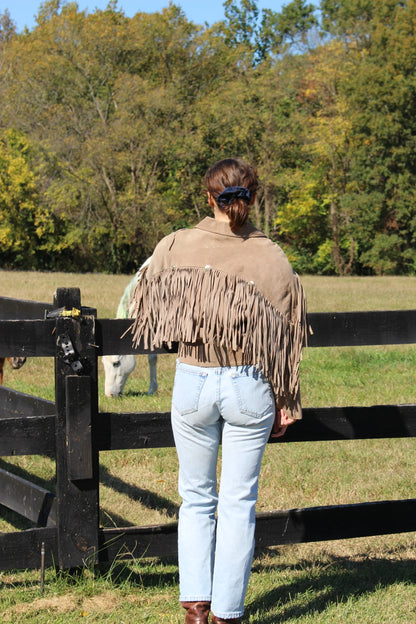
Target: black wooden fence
x,y
73,431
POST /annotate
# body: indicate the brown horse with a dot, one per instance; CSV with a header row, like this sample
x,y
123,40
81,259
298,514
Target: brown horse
x,y
15,362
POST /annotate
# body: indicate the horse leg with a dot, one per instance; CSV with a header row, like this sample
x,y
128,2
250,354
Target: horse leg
x,y
152,359
1,369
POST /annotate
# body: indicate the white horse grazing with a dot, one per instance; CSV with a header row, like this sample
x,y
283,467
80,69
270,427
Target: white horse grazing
x,y
117,368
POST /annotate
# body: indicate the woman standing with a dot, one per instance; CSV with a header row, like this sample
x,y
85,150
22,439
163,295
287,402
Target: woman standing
x,y
228,295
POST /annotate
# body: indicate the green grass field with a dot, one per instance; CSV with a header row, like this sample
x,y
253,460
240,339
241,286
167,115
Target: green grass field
x,y
369,580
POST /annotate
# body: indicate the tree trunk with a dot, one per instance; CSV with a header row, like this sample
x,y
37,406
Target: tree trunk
x,y
334,227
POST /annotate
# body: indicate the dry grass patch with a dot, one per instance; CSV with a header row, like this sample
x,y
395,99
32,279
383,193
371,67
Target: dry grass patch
x,y
56,604
98,290
102,603
356,293
324,294
85,606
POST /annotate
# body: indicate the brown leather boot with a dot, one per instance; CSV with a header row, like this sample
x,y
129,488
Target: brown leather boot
x,y
217,620
196,612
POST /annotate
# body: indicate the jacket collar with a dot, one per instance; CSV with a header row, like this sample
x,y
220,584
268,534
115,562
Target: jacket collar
x,y
209,224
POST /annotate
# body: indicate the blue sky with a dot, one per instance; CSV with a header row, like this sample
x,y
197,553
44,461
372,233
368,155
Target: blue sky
x,y
22,11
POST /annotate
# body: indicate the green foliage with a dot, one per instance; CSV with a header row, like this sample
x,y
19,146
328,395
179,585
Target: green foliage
x,y
288,28
29,232
118,119
302,217
7,27
241,21
384,256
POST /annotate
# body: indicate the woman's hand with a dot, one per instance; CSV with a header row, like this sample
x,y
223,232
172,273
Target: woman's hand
x,y
281,423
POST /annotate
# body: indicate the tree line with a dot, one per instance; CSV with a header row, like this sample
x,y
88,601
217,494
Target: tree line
x,y
108,124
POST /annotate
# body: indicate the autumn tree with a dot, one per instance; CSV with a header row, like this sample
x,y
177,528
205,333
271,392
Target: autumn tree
x,y
30,234
381,106
327,148
100,93
108,124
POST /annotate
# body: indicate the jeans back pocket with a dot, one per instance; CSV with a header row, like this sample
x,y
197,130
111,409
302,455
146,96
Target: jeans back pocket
x,y
253,392
187,390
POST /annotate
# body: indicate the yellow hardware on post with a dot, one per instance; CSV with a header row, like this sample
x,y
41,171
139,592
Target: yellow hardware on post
x,y
75,313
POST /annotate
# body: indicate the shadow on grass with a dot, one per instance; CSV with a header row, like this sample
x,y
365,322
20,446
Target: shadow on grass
x,y
109,519
320,585
136,393
145,574
314,586
48,484
149,499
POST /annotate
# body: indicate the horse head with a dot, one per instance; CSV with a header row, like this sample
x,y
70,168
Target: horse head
x,y
117,368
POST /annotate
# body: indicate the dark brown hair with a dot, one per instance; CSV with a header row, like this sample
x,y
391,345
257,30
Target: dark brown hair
x,y
232,172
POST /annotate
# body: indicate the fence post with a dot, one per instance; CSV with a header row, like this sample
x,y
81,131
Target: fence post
x,y
77,466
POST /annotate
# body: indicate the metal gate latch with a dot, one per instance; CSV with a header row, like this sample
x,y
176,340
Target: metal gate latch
x,y
70,356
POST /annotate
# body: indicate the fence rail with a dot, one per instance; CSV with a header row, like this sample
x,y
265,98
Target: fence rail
x,y
36,338
73,432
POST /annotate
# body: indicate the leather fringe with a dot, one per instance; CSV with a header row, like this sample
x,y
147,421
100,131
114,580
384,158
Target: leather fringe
x,y
194,304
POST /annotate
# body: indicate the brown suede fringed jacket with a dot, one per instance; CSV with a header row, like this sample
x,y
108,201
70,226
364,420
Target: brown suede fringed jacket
x,y
228,299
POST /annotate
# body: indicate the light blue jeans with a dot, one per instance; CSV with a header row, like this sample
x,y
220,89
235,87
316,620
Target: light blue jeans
x,y
215,554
